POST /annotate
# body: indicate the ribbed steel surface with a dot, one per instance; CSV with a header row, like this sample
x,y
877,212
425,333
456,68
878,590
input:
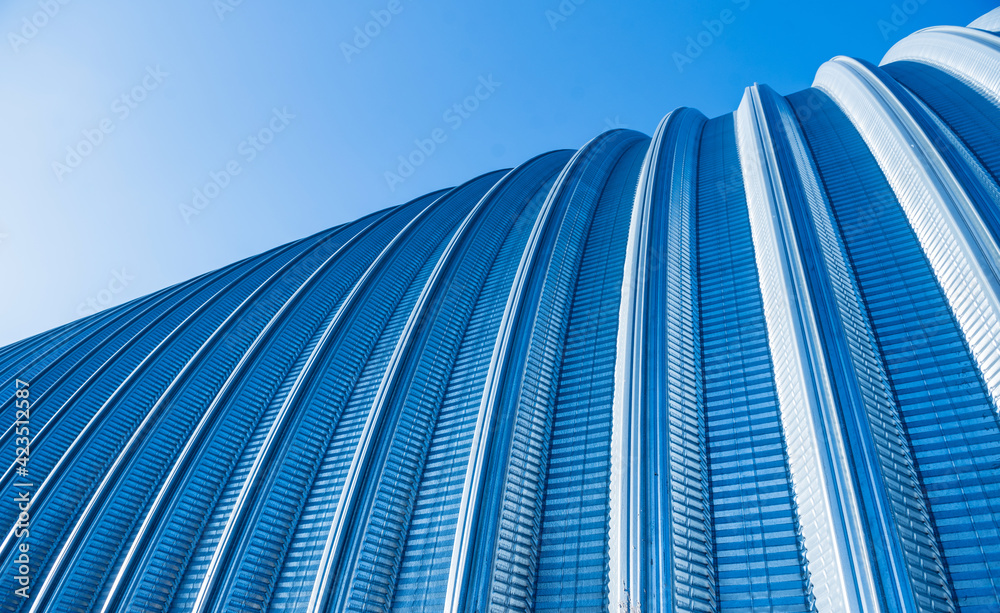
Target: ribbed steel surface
x,y
751,363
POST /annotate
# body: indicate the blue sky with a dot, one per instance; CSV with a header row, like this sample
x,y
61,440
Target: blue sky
x,y
287,116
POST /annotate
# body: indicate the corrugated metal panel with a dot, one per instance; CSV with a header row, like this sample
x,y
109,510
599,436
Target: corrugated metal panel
x,y
752,363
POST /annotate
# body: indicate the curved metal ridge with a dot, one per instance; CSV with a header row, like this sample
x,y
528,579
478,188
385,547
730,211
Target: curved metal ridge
x,y
646,427
980,185
970,55
837,552
255,397
516,496
167,491
681,414
751,363
214,575
386,524
531,269
963,253
989,22
623,572
377,415
325,410
41,495
84,525
132,313
876,446
143,308
44,395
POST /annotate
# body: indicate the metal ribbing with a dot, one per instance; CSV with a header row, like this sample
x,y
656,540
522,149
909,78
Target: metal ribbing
x,y
407,351
831,523
964,254
556,394
219,574
969,55
584,258
560,227
168,490
890,498
659,490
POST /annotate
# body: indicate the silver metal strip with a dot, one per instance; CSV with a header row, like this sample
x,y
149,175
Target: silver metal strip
x,y
652,469
43,490
363,455
961,250
471,501
192,447
214,574
969,55
829,516
476,470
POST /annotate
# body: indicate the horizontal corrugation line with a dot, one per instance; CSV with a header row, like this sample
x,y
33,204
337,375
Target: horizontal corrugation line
x,y
758,555
581,282
304,328
945,412
131,496
338,409
110,427
407,392
426,555
381,548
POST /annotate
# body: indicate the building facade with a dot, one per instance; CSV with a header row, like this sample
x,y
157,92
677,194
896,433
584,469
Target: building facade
x,y
751,363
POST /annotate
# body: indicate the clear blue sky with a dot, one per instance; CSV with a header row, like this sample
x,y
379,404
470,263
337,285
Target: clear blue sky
x,y
171,92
